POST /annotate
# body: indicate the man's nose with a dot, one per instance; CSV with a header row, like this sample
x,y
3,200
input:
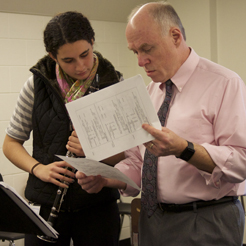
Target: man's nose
x,y
142,60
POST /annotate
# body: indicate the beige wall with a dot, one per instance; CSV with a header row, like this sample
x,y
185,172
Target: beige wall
x,y
195,16
232,35
214,28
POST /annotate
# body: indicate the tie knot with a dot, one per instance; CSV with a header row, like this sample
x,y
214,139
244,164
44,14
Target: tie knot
x,y
169,82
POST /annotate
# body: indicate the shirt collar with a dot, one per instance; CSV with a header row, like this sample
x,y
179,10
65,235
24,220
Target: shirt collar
x,y
185,71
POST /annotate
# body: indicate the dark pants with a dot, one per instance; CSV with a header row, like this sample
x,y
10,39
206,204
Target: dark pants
x,y
218,225
97,226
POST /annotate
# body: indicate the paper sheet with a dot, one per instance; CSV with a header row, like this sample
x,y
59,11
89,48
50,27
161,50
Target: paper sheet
x,y
91,167
110,121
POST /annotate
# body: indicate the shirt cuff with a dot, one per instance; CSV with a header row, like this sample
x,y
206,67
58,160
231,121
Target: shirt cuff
x,y
220,155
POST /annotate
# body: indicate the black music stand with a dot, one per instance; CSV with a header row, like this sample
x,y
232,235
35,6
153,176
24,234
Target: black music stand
x,y
16,216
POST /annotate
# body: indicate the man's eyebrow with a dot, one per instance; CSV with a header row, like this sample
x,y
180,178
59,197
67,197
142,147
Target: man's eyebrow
x,y
142,46
145,45
83,53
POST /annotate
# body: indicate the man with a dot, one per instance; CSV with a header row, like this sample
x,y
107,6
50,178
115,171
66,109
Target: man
x,y
201,147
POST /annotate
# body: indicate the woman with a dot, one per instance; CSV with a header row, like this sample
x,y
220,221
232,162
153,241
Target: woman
x,y
69,71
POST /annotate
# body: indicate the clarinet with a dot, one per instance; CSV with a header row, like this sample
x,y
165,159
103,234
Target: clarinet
x,y
61,192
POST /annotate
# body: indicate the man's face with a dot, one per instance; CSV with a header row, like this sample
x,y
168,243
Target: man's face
x,y
156,53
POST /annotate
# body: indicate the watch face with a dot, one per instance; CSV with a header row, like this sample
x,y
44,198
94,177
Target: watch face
x,y
188,152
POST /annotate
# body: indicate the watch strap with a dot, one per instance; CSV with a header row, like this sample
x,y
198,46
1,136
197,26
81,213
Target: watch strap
x,y
188,152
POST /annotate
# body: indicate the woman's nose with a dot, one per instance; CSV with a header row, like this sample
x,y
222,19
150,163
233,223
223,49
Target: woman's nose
x,y
80,65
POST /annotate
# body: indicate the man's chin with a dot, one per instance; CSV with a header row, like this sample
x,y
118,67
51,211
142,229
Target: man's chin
x,y
154,78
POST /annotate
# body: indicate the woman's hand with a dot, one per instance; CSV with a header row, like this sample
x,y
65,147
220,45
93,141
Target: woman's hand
x,y
55,173
74,146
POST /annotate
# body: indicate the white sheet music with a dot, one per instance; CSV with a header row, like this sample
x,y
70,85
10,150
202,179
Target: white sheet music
x,y
91,167
110,121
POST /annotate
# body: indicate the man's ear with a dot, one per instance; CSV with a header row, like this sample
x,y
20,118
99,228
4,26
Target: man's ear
x,y
52,57
176,35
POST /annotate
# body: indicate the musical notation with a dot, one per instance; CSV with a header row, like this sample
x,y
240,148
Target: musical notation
x,y
110,121
112,118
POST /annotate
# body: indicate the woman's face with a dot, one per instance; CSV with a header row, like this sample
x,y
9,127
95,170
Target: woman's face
x,y
76,59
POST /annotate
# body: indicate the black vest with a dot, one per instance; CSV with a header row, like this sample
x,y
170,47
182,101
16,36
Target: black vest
x,y
50,135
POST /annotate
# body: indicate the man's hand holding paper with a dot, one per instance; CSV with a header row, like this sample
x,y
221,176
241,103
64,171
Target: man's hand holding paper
x,y
94,168
94,184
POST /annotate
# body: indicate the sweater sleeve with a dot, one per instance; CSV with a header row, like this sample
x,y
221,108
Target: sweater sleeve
x,y
20,125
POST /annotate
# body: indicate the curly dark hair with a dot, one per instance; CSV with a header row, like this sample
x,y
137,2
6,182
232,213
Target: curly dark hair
x,y
67,27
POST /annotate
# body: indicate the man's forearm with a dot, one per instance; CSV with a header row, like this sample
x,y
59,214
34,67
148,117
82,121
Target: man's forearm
x,y
202,160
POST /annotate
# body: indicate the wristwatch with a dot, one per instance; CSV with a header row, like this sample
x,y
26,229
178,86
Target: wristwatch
x,y
188,152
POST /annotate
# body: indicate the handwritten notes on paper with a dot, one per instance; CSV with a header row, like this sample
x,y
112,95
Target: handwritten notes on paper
x,y
110,121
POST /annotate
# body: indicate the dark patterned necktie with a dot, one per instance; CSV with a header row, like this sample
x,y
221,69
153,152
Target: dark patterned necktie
x,y
149,174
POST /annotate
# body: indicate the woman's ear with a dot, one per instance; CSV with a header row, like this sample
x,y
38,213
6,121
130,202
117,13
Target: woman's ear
x,y
52,57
